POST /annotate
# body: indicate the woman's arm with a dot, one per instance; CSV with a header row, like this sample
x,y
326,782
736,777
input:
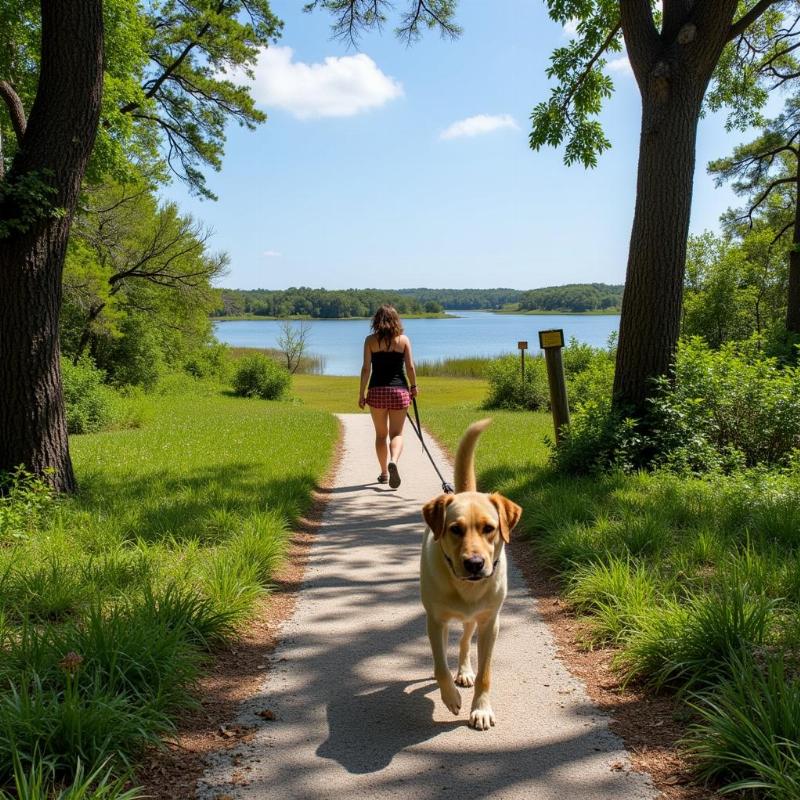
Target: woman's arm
x,y
366,368
411,370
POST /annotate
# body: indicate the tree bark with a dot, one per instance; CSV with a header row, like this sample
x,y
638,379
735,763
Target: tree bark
x,y
651,305
54,151
793,298
672,70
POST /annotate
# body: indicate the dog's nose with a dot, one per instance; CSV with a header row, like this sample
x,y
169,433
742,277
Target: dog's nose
x,y
473,565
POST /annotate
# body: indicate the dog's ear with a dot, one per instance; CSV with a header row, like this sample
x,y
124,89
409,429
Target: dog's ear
x,y
435,512
509,513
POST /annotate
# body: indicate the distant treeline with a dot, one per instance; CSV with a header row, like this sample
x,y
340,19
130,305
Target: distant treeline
x,y
573,297
326,304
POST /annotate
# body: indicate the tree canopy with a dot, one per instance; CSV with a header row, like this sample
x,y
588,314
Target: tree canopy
x,y
175,74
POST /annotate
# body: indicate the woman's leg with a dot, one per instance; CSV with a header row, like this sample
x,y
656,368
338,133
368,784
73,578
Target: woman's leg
x,y
396,421
380,419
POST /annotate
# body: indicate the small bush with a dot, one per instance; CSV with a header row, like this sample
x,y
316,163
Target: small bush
x,y
726,408
135,357
24,502
723,410
506,389
212,361
87,399
259,376
599,439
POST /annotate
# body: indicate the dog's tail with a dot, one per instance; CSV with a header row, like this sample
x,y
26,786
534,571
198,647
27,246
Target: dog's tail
x,y
465,456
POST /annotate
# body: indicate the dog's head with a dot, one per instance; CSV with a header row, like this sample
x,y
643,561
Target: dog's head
x,y
471,528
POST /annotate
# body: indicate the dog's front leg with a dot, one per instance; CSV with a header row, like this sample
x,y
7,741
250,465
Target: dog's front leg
x,y
481,716
465,676
437,633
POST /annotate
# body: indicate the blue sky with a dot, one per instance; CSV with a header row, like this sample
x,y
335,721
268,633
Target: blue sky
x,y
363,176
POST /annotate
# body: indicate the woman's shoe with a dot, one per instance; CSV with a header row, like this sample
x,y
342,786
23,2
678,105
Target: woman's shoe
x,y
394,475
383,478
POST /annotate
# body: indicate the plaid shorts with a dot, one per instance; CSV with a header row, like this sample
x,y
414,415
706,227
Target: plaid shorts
x,y
393,398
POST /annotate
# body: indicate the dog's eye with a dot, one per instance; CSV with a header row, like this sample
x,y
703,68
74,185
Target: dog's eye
x,y
488,528
456,529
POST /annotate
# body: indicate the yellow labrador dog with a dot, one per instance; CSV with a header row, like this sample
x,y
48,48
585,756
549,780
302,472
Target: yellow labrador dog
x,y
463,577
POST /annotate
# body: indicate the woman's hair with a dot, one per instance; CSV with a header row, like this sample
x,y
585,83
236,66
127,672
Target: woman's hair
x,y
386,324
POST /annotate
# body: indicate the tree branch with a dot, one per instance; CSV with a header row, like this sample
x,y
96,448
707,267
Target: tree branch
x,y
588,68
641,37
746,20
15,109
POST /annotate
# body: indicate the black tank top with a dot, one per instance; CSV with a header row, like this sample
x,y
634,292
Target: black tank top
x,y
387,369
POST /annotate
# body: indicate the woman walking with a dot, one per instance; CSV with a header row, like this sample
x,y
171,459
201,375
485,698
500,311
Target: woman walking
x,y
388,394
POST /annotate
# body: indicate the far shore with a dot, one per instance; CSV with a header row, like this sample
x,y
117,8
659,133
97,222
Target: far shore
x,y
307,318
453,314
605,312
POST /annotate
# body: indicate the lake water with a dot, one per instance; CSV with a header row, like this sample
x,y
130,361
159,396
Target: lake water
x,y
473,333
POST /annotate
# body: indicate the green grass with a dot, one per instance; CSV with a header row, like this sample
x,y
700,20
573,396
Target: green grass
x,y
469,367
695,581
173,538
340,394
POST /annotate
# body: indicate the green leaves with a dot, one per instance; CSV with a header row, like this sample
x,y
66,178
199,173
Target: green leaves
x,y
190,88
173,79
581,85
747,70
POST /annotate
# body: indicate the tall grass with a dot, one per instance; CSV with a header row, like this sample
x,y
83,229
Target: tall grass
x,y
469,367
112,602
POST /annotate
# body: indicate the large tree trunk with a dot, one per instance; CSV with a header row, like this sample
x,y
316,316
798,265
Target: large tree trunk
x,y
793,307
54,151
673,68
651,304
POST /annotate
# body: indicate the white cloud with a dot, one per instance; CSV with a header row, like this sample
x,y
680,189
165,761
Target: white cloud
x,y
477,125
620,65
570,28
337,87
271,254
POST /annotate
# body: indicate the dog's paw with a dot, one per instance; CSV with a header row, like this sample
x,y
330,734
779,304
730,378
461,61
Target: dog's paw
x,y
451,697
465,677
481,718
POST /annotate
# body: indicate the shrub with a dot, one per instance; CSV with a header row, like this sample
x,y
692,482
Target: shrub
x,y
259,376
135,358
506,389
24,501
723,410
599,438
727,407
211,361
87,400
593,382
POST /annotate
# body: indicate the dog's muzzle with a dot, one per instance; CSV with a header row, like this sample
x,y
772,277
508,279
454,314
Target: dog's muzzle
x,y
473,566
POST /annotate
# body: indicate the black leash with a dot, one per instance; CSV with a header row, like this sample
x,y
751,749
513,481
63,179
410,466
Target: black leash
x,y
447,488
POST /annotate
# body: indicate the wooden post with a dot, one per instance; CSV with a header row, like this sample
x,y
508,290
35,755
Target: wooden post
x,y
522,346
552,342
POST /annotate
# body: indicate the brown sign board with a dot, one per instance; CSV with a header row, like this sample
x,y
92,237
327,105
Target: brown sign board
x,y
522,345
551,338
